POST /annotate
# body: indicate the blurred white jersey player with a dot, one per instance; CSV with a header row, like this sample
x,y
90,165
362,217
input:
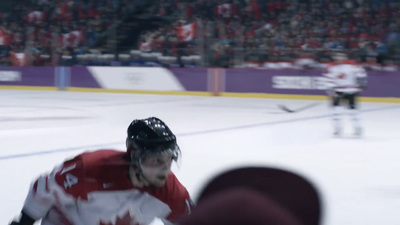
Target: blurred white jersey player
x,y
345,79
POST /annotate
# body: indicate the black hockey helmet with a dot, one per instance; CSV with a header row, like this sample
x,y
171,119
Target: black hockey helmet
x,y
150,136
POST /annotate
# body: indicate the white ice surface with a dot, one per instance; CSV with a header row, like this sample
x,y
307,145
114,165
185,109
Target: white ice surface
x,y
357,177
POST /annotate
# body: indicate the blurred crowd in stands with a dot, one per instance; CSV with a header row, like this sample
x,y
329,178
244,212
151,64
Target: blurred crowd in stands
x,y
226,33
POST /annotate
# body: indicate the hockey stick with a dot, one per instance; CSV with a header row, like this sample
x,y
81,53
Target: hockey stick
x,y
286,109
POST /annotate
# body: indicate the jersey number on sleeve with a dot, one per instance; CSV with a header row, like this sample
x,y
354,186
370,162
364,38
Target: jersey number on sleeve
x,y
70,180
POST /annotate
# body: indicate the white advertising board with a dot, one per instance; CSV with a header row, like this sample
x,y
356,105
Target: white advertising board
x,y
299,82
10,76
136,78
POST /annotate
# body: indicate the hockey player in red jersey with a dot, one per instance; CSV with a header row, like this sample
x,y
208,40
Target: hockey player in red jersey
x,y
109,187
345,79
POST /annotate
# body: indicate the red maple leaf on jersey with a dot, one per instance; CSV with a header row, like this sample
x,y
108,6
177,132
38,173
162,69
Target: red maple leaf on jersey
x,y
126,219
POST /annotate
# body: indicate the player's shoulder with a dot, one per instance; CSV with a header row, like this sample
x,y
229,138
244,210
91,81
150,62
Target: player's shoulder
x,y
172,181
350,62
102,164
92,161
353,65
86,171
331,65
99,157
175,188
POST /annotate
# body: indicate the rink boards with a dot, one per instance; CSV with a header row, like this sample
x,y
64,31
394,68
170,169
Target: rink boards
x,y
254,83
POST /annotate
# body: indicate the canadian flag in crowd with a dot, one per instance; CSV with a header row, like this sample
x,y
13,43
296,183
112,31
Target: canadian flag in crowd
x,y
35,16
72,38
225,10
19,59
187,32
5,38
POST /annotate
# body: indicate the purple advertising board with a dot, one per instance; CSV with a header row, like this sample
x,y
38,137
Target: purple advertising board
x,y
194,79
82,78
27,76
45,77
307,82
383,84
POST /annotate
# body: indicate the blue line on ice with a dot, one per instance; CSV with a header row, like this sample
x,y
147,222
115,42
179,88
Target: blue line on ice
x,y
53,151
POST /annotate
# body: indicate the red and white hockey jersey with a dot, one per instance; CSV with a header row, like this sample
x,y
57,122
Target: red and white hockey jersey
x,y
344,77
95,189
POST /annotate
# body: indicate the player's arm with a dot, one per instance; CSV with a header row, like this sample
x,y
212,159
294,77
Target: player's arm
x,y
330,77
37,203
23,219
45,191
166,222
361,78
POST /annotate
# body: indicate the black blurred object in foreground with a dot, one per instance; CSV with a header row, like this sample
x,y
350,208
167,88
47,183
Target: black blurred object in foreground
x,y
257,195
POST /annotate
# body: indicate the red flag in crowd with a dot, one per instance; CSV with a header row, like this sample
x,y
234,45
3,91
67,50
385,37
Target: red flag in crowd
x,y
5,37
72,38
256,9
19,59
187,32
